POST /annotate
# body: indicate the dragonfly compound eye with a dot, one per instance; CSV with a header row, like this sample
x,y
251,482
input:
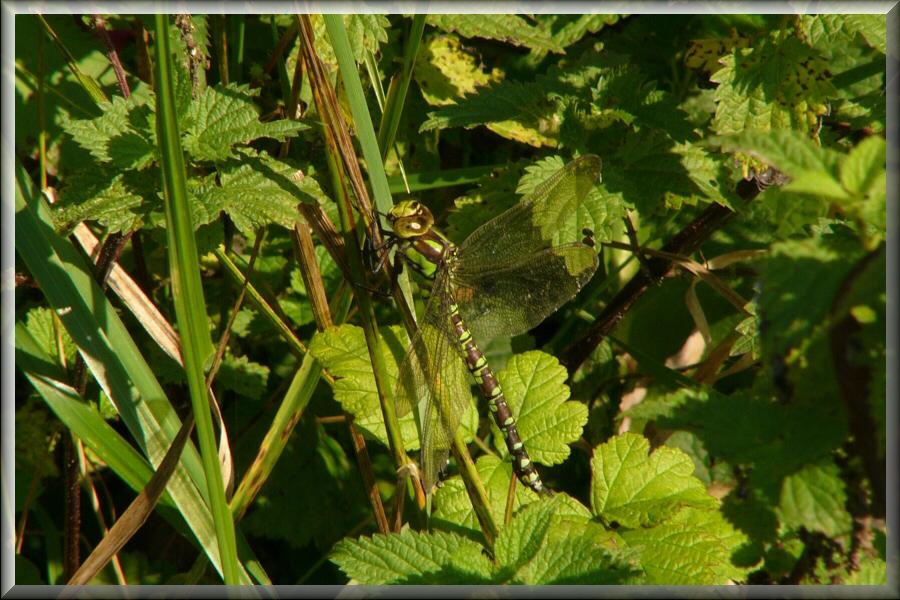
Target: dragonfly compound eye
x,y
410,219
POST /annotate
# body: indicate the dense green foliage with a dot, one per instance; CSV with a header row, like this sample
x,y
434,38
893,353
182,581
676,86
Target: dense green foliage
x,y
727,426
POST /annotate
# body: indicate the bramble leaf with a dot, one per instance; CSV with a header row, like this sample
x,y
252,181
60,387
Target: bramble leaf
x,y
637,490
454,505
533,384
342,351
694,547
814,498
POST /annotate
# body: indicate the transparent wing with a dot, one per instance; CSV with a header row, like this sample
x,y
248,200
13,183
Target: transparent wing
x,y
433,375
518,268
513,296
537,221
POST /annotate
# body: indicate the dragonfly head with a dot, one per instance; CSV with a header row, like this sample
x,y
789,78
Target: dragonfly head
x,y
410,219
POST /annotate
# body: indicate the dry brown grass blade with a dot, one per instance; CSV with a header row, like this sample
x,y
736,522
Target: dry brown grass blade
x,y
335,127
136,513
696,269
159,329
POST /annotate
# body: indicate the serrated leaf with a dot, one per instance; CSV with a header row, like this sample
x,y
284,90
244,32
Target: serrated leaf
x,y
650,171
519,541
565,30
454,505
777,84
814,498
343,352
511,29
445,71
118,200
412,557
255,191
637,490
577,551
778,439
226,116
121,136
872,571
366,32
500,102
243,376
694,547
862,171
39,322
799,280
872,27
534,386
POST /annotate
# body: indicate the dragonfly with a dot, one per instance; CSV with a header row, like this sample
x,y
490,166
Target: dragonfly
x,y
508,275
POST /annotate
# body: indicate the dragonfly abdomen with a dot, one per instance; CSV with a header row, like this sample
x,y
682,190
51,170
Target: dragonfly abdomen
x,y
491,390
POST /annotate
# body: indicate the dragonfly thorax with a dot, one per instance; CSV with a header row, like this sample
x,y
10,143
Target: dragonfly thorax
x,y
410,219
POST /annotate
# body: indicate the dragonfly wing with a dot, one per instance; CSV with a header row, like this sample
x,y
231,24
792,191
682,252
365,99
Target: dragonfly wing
x,y
433,375
542,219
510,297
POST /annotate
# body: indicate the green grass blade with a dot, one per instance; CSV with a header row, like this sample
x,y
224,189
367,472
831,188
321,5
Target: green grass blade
x,y
396,95
419,182
109,352
334,24
85,422
187,293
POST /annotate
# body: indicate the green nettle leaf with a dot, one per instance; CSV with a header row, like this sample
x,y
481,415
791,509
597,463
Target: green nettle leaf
x,y
500,102
366,33
243,376
637,490
255,191
35,441
39,322
652,171
694,547
511,29
774,85
119,200
121,136
286,510
812,168
342,351
800,279
863,175
872,571
495,193
601,211
565,30
534,386
411,557
225,116
873,29
446,71
455,506
814,499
